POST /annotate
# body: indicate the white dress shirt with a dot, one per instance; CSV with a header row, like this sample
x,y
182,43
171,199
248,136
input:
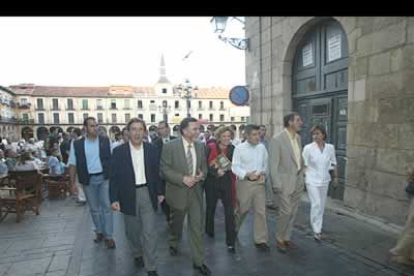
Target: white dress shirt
x,y
249,158
318,163
138,163
193,153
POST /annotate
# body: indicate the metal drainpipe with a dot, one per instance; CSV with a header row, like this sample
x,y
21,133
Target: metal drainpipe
x,y
271,79
261,70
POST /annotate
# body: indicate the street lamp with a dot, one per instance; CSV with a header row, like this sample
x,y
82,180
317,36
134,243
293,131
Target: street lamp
x,y
186,91
165,109
220,23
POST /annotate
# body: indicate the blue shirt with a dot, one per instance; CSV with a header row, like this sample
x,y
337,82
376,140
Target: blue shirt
x,y
54,166
3,168
92,156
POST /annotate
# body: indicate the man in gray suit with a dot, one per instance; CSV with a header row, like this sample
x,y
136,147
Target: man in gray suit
x,y
184,168
286,171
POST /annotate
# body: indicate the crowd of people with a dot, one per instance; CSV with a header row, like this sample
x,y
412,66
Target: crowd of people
x,y
136,173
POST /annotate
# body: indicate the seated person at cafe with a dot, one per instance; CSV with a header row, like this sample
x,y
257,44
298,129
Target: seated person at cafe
x,y
36,158
56,168
26,163
3,166
11,159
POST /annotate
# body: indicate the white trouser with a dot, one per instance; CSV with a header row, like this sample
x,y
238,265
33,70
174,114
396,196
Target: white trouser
x,y
317,196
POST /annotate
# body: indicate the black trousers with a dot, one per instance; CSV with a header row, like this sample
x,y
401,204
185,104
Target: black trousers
x,y
220,189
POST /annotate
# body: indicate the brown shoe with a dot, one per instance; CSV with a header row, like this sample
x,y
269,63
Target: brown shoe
x,y
281,247
99,237
110,243
290,245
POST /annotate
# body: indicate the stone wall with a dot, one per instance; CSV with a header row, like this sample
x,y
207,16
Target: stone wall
x,y
380,94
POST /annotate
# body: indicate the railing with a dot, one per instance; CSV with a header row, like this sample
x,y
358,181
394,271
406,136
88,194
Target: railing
x,y
55,108
23,106
25,121
70,108
40,108
127,108
99,108
8,120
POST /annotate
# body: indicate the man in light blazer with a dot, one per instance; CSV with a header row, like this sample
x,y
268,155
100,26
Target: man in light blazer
x,y
286,171
184,168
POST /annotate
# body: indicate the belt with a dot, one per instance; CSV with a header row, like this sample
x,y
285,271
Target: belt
x,y
95,174
140,186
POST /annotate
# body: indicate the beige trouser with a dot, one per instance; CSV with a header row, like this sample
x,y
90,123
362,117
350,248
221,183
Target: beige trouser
x,y
288,208
253,194
405,246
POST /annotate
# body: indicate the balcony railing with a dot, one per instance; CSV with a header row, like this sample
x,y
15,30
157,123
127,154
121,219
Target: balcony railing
x,y
40,108
11,120
25,121
55,108
70,108
127,108
23,106
85,108
99,108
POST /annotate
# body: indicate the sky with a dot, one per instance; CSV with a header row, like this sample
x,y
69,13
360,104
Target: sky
x,y
104,51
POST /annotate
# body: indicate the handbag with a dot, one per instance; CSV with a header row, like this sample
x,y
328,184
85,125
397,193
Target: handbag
x,y
410,188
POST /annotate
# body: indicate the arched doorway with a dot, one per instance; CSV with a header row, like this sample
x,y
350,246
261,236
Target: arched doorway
x,y
176,130
102,131
320,88
27,133
113,131
42,133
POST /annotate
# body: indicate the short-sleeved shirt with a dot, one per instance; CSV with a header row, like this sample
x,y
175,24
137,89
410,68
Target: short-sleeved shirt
x,y
54,165
318,163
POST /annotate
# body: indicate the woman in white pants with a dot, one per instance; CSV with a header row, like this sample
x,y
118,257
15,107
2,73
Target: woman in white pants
x,y
319,158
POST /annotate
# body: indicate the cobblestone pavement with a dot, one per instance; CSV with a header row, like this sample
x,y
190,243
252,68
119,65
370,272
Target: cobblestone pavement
x,y
58,242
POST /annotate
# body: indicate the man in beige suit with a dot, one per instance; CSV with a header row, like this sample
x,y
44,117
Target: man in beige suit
x,y
184,168
286,171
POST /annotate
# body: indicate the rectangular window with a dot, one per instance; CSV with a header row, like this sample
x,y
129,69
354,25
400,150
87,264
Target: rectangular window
x,y
200,116
55,104
113,104
232,119
200,104
127,117
177,104
56,118
221,118
99,104
152,118
71,118
164,90
70,104
41,118
85,115
211,117
211,104
139,104
85,104
100,118
140,116
114,118
39,103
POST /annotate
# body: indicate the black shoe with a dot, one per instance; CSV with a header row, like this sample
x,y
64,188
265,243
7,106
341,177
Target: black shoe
x,y
211,235
139,262
271,207
152,273
203,269
231,249
262,246
173,251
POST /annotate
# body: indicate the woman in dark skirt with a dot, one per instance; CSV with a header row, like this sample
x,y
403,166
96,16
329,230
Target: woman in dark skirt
x,y
220,185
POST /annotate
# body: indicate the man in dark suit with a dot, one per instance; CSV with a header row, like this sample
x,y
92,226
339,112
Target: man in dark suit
x,y
184,168
164,137
136,190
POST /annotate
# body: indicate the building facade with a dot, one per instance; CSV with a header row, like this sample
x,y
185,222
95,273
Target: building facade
x,y
355,76
114,106
8,114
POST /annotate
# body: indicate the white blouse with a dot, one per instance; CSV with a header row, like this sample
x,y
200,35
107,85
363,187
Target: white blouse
x,y
318,163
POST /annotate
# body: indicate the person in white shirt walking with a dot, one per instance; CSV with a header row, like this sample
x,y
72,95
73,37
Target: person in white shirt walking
x,y
319,158
250,166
